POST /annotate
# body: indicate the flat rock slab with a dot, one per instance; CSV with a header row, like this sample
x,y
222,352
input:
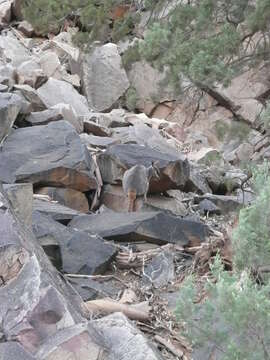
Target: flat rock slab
x,y
118,158
55,156
156,227
57,211
10,106
70,198
80,253
224,203
123,339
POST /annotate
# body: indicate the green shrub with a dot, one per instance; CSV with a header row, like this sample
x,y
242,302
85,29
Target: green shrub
x,y
131,99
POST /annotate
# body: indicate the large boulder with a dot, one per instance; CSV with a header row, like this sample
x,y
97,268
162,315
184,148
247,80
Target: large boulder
x,y
35,302
118,158
155,227
12,50
10,106
55,92
5,11
104,79
75,252
49,155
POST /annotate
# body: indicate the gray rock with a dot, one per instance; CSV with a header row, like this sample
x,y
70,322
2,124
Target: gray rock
x,y
35,302
73,199
21,198
26,28
225,203
80,253
117,158
208,207
104,79
124,340
197,181
13,351
55,156
3,88
116,118
12,50
57,211
160,271
30,94
55,92
10,106
156,227
5,11
98,141
55,113
30,73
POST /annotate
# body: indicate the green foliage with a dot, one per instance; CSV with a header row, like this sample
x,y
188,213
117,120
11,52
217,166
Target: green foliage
x,y
131,55
202,40
265,117
234,317
95,17
131,98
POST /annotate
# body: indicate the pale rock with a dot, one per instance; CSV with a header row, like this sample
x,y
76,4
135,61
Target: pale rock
x,y
10,106
12,50
26,28
104,79
31,95
50,64
5,11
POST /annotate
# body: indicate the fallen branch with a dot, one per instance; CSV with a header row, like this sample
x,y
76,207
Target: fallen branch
x,y
109,306
169,347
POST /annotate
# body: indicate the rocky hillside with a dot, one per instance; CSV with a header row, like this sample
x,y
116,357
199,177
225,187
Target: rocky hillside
x,y
80,276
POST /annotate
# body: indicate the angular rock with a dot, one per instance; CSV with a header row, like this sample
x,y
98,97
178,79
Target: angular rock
x,y
26,28
116,118
35,302
55,113
31,95
50,64
160,271
10,106
104,79
7,75
90,127
124,340
12,49
101,142
57,212
226,204
21,198
68,197
55,92
11,350
116,159
30,73
208,207
197,181
55,156
74,252
155,227
114,198
74,343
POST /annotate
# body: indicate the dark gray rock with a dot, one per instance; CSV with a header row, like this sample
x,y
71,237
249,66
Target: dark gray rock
x,y
91,127
80,253
124,340
13,351
98,141
156,227
208,207
118,158
35,302
197,181
10,106
225,203
51,155
57,211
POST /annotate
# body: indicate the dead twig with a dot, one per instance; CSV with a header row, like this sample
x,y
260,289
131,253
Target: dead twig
x,y
169,347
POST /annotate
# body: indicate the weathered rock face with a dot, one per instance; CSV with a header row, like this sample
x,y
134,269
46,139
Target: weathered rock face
x,y
68,197
124,340
13,351
55,92
51,155
104,79
21,199
78,252
5,11
55,113
30,94
13,51
115,160
156,227
35,302
10,106
101,142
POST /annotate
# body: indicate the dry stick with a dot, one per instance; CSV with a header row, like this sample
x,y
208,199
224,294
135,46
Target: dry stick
x,y
109,306
94,277
169,346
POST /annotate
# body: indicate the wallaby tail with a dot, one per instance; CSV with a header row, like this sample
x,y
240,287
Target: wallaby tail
x,y
131,200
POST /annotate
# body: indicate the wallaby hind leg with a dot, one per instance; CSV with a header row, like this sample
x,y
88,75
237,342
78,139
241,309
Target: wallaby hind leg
x,y
131,200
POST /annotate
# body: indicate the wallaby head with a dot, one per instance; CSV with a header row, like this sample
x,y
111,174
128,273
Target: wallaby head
x,y
153,170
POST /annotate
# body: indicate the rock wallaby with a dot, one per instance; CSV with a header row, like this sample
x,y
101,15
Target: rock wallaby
x,y
136,182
